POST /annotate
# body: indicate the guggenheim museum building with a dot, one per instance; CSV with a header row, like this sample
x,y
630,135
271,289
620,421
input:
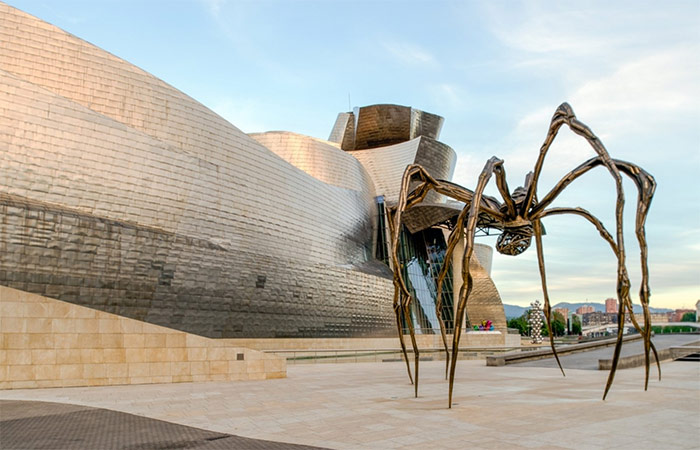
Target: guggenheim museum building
x,y
121,193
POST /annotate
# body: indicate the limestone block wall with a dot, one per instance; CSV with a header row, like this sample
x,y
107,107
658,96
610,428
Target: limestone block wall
x,y
50,343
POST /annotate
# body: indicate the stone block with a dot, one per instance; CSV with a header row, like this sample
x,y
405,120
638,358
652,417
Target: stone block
x,y
93,371
132,340
44,356
238,367
110,341
138,370
40,340
175,340
257,366
180,368
88,340
196,354
158,368
182,378
216,354
116,370
130,326
176,354
38,325
63,325
21,372
23,384
65,340
199,368
13,325
111,325
71,372
218,367
18,356
67,356
140,380
154,340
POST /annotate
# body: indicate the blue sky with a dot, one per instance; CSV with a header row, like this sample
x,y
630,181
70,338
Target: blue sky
x,y
495,70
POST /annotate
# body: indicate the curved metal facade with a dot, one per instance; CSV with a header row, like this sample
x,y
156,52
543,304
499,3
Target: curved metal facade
x,y
121,193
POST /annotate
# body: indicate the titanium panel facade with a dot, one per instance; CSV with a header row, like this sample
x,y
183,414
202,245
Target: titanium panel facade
x,y
121,193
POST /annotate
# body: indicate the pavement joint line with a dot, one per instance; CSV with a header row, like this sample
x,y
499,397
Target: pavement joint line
x,y
513,404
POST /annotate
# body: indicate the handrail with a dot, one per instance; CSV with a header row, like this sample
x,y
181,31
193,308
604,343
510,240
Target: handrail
x,y
294,356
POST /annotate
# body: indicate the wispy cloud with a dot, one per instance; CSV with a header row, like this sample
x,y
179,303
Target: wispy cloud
x,y
213,6
634,95
546,27
410,54
449,96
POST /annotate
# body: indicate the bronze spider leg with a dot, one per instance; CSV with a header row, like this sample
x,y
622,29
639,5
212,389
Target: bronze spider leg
x,y
398,313
628,301
543,277
400,288
408,200
608,238
399,298
455,237
565,115
467,281
646,186
452,241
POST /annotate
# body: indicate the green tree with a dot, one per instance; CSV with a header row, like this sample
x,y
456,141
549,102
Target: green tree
x,y
688,317
558,325
520,323
576,325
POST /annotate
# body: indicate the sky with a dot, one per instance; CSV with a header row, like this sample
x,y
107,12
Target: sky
x,y
495,70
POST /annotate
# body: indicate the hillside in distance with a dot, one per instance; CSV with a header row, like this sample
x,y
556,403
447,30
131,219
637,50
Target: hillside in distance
x,y
513,311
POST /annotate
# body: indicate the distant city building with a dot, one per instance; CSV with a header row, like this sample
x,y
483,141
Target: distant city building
x,y
563,311
655,318
595,318
658,317
678,314
611,305
697,311
585,309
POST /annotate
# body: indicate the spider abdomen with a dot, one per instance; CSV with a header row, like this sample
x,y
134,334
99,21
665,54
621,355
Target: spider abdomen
x,y
515,239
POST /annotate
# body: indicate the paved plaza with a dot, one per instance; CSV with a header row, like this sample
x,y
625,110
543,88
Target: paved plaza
x,y
371,406
50,426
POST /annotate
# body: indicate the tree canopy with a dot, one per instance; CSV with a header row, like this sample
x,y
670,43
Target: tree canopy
x,y
689,317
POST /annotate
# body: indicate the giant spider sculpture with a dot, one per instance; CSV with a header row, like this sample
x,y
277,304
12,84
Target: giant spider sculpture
x,y
518,218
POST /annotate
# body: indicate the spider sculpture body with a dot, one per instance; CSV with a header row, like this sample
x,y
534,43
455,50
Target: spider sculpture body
x,y
518,217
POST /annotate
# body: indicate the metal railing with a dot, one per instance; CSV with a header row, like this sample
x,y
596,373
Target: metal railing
x,y
379,355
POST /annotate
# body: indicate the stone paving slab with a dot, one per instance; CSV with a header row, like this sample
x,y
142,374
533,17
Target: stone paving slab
x,y
589,360
371,406
55,426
